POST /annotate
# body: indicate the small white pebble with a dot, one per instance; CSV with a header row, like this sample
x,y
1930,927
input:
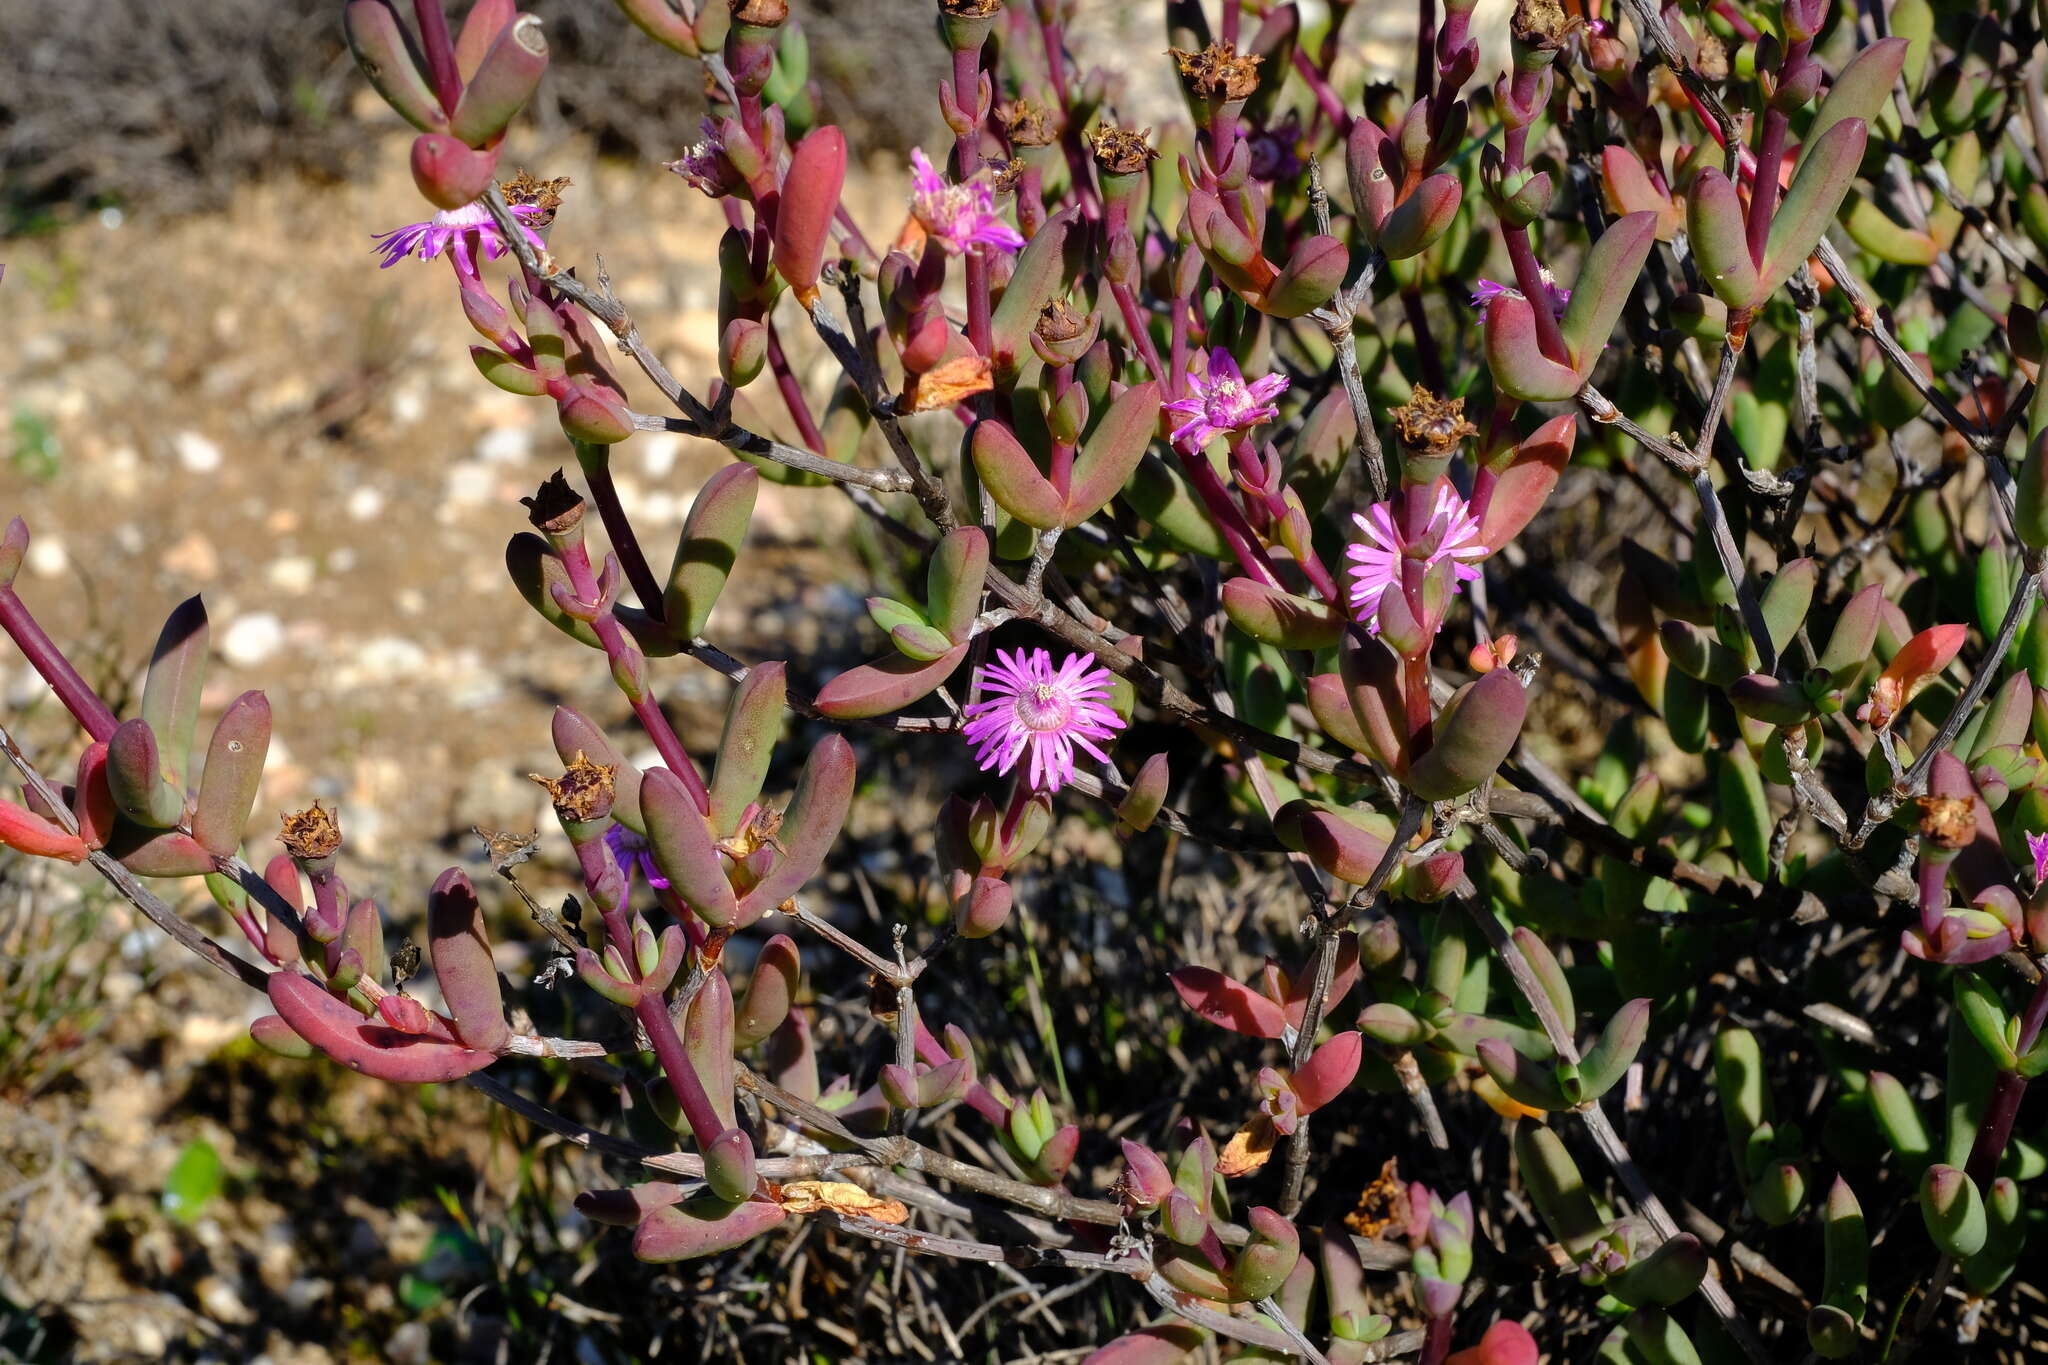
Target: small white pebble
x,y
505,445
293,574
365,503
658,451
252,639
470,483
47,557
196,452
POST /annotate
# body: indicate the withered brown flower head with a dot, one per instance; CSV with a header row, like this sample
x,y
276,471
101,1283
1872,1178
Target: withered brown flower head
x,y
1058,322
1542,24
1028,123
1712,58
310,835
1948,821
1429,425
970,9
1218,71
1383,1205
557,508
543,195
1122,151
583,792
762,13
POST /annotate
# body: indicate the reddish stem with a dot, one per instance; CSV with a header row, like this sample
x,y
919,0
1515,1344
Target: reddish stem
x,y
1229,518
440,52
2006,1092
583,580
1061,473
1529,279
1425,47
1327,100
978,332
683,1081
597,472
1763,194
79,699
793,394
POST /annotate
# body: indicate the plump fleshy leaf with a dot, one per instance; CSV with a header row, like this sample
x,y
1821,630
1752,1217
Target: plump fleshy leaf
x,y
384,50
1112,451
1347,843
1328,1070
1227,1003
371,1047
170,692
1862,87
1603,286
1275,617
135,777
1517,493
702,1227
683,848
1011,477
770,991
1473,739
888,684
1513,354
25,831
234,770
1417,221
505,79
803,218
953,584
1035,280
753,727
463,966
1714,224
1827,167
713,535
809,827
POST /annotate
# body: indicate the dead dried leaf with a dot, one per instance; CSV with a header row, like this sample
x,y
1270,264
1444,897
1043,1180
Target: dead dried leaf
x,y
1382,1205
1249,1150
950,381
836,1196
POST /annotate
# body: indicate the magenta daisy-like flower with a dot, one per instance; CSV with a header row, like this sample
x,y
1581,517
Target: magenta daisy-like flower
x,y
461,232
959,216
2037,844
1489,290
1452,535
1220,402
634,854
1049,711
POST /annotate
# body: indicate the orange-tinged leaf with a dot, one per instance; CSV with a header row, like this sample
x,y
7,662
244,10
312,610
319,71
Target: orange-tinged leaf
x,y
1919,662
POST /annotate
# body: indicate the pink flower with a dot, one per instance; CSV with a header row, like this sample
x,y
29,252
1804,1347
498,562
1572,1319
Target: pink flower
x,y
460,232
1489,290
2037,844
705,164
1041,708
633,854
1451,536
1220,401
959,216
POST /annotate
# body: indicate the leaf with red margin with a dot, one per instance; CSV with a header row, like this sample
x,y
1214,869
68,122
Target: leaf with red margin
x,y
1228,1004
373,1049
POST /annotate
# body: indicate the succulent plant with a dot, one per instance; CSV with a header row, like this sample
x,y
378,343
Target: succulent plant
x,y
1202,448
